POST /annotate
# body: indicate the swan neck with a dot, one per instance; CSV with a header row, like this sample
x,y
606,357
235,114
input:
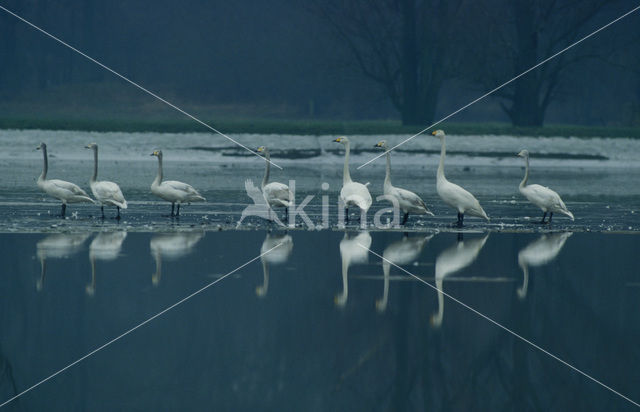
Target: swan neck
x,y
346,176
159,175
387,177
526,173
95,165
443,154
45,167
267,169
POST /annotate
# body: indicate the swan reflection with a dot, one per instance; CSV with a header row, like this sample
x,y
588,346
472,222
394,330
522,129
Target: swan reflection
x,y
105,246
57,246
537,253
401,252
171,246
351,252
452,260
283,244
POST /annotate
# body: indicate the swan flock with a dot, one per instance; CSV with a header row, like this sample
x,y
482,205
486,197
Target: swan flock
x,y
353,194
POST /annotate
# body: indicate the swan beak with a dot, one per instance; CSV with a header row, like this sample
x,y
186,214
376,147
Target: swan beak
x,y
260,149
338,140
155,153
433,133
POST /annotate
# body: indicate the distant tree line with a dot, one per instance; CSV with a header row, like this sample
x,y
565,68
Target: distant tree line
x,y
339,58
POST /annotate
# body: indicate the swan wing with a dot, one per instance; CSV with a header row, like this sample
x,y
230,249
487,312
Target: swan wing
x,y
354,193
459,198
543,197
66,191
278,193
109,192
185,191
410,201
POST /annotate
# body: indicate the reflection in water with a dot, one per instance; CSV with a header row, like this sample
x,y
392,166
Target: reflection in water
x,y
171,246
105,246
277,256
402,252
351,252
58,246
453,259
537,253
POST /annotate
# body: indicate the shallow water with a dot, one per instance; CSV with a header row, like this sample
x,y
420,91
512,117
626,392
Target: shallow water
x,y
310,326
319,323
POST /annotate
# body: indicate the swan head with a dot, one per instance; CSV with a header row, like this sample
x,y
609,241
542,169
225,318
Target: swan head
x,y
91,146
524,153
342,140
438,133
41,146
382,144
157,153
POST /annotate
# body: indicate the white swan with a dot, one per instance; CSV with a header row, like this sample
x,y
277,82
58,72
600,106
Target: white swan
x,y
543,197
408,201
106,193
65,191
105,246
352,193
276,194
537,253
279,249
452,194
453,259
171,190
351,251
401,252
171,246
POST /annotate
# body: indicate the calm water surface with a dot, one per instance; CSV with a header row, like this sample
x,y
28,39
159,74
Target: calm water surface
x,y
319,323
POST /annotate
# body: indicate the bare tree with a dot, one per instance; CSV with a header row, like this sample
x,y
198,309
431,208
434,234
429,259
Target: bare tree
x,y
521,35
409,47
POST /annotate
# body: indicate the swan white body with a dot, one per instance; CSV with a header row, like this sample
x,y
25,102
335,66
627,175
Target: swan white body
x,y
537,253
352,193
452,194
106,193
541,196
408,201
275,250
275,194
62,190
402,252
351,251
172,190
453,259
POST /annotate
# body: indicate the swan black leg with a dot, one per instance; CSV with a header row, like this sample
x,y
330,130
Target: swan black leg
x,y
173,205
118,215
178,211
102,211
64,209
404,218
346,215
543,216
550,216
460,219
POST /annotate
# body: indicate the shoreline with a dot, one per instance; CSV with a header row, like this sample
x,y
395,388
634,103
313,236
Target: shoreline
x,y
308,127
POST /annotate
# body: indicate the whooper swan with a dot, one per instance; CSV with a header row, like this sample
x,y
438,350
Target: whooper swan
x,y
452,194
65,191
543,197
408,201
276,194
106,193
171,190
352,193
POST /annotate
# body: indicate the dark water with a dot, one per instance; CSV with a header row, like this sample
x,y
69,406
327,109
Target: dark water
x,y
303,336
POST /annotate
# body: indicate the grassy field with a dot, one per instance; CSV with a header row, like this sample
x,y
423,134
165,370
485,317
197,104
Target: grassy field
x,y
306,127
